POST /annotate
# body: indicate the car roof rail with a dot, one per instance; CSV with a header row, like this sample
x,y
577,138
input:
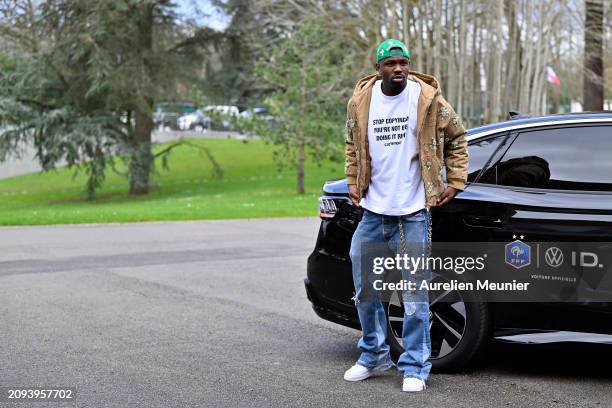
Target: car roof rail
x,y
512,115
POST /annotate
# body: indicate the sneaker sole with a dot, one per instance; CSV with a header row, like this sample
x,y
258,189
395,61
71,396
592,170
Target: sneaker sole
x,y
421,390
369,374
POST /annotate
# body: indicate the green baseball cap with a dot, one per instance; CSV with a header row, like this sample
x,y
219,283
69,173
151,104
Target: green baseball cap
x,y
384,50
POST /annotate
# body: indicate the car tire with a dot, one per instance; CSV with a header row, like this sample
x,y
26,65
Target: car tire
x,y
198,128
460,329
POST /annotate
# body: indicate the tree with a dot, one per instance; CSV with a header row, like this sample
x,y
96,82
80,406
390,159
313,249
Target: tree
x,y
593,92
229,71
307,81
489,57
254,27
84,92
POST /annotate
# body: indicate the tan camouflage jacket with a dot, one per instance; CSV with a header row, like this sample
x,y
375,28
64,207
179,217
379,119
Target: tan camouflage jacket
x,y
440,135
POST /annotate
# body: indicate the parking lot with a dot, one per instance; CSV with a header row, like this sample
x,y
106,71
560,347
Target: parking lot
x,y
214,313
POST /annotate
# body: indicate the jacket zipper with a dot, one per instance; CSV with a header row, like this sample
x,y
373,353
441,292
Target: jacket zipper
x,y
359,184
357,132
419,144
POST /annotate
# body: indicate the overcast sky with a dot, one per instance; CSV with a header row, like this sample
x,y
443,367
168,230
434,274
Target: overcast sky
x,y
204,12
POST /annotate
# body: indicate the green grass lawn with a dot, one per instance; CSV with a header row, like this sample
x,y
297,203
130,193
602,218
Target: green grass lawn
x,y
251,187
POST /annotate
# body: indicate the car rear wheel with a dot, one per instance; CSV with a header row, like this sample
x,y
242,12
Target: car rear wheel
x,y
459,326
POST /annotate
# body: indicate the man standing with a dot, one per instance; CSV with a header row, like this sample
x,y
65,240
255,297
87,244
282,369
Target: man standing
x,y
401,135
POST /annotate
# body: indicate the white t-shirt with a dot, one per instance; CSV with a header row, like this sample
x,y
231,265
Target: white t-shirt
x,y
396,186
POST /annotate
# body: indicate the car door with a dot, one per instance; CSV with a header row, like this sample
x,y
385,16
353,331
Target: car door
x,y
551,184
473,215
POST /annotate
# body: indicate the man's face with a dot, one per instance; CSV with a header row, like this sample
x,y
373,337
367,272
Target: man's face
x,y
394,72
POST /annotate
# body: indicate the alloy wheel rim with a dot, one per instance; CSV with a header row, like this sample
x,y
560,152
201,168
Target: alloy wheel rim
x,y
447,319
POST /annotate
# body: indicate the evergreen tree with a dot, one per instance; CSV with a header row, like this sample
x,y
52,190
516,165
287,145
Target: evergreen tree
x,y
84,91
307,80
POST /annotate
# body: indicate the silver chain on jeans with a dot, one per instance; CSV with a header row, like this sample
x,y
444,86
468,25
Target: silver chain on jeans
x,y
403,238
428,215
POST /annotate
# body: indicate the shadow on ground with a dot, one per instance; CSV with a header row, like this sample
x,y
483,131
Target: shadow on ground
x,y
569,360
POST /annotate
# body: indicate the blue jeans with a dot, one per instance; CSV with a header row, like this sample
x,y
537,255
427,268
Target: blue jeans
x,y
414,362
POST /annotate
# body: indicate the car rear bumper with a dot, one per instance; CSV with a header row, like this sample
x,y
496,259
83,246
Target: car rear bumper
x,y
330,310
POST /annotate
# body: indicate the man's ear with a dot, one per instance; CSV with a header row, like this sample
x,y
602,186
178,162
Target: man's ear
x,y
377,67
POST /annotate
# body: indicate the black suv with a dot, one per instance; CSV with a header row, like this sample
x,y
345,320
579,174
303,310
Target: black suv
x,y
546,179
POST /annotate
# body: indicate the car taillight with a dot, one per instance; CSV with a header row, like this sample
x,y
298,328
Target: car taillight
x,y
328,206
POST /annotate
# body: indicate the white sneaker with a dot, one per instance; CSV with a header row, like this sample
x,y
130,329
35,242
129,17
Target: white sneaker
x,y
412,384
359,372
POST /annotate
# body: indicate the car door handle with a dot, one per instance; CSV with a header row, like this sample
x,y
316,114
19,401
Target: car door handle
x,y
482,221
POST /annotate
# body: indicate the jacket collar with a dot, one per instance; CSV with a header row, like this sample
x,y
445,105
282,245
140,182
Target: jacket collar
x,y
429,87
428,92
362,95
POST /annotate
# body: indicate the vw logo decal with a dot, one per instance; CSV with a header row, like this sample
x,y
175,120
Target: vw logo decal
x,y
553,257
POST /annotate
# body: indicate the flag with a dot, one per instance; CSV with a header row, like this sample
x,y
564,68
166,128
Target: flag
x,y
552,77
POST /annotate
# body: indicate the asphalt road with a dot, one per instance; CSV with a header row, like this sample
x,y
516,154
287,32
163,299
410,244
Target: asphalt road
x,y
192,314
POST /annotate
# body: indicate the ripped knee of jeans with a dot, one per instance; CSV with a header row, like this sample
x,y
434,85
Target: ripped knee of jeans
x,y
355,299
409,308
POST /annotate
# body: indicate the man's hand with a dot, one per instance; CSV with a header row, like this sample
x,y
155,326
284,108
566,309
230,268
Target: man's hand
x,y
446,196
354,194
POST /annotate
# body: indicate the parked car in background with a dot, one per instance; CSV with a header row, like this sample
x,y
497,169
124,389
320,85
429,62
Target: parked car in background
x,y
253,112
166,114
220,115
196,121
260,113
547,178
217,117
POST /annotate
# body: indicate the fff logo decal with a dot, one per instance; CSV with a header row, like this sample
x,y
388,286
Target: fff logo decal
x,y
518,254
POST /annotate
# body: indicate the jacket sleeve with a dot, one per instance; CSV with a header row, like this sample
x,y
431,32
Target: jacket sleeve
x,y
455,145
350,167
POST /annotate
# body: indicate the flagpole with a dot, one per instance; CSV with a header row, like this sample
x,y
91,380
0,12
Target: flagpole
x,y
566,99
